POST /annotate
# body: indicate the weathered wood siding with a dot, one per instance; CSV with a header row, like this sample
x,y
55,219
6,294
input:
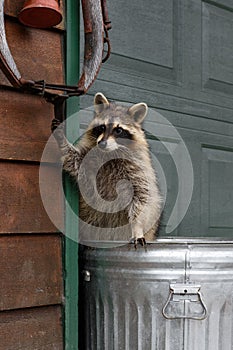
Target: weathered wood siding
x,y
31,288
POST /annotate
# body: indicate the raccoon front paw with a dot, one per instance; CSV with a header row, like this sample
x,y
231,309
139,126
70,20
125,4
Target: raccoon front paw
x,y
58,131
55,124
141,240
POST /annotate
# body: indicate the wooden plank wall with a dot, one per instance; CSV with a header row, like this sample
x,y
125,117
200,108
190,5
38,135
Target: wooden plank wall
x,y
31,288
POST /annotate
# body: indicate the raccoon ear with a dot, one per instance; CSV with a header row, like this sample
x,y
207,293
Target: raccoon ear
x,y
100,102
138,112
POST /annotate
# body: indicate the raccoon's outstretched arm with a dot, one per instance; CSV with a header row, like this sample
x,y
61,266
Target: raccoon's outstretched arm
x,y
71,156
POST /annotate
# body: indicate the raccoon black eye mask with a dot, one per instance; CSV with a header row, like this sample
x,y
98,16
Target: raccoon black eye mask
x,y
120,132
110,130
133,212
98,130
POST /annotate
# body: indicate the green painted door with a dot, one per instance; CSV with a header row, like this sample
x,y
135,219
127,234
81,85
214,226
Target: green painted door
x,y
177,56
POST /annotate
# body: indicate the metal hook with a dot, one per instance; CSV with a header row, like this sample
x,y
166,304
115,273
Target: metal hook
x,y
106,40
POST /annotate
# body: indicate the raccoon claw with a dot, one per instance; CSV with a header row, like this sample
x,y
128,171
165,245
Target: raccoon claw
x,y
140,241
58,131
55,124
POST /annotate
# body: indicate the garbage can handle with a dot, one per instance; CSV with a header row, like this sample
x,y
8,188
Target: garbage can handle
x,y
184,293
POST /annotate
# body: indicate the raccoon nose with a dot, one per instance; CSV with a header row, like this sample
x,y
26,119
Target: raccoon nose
x,y
102,144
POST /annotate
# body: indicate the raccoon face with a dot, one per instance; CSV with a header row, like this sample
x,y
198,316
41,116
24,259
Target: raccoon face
x,y
112,136
116,127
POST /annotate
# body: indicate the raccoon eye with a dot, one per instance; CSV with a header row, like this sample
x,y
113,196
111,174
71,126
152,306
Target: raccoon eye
x,y
118,131
122,133
98,130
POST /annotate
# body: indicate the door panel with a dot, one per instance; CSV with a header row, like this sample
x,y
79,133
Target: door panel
x,y
217,189
217,46
153,35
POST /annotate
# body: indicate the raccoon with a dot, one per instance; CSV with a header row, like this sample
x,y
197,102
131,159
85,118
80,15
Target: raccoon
x,y
118,192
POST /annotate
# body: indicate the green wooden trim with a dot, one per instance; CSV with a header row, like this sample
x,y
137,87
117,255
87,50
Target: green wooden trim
x,y
71,246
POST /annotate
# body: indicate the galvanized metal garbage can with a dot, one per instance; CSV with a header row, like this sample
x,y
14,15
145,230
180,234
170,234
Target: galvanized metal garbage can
x,y
176,295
